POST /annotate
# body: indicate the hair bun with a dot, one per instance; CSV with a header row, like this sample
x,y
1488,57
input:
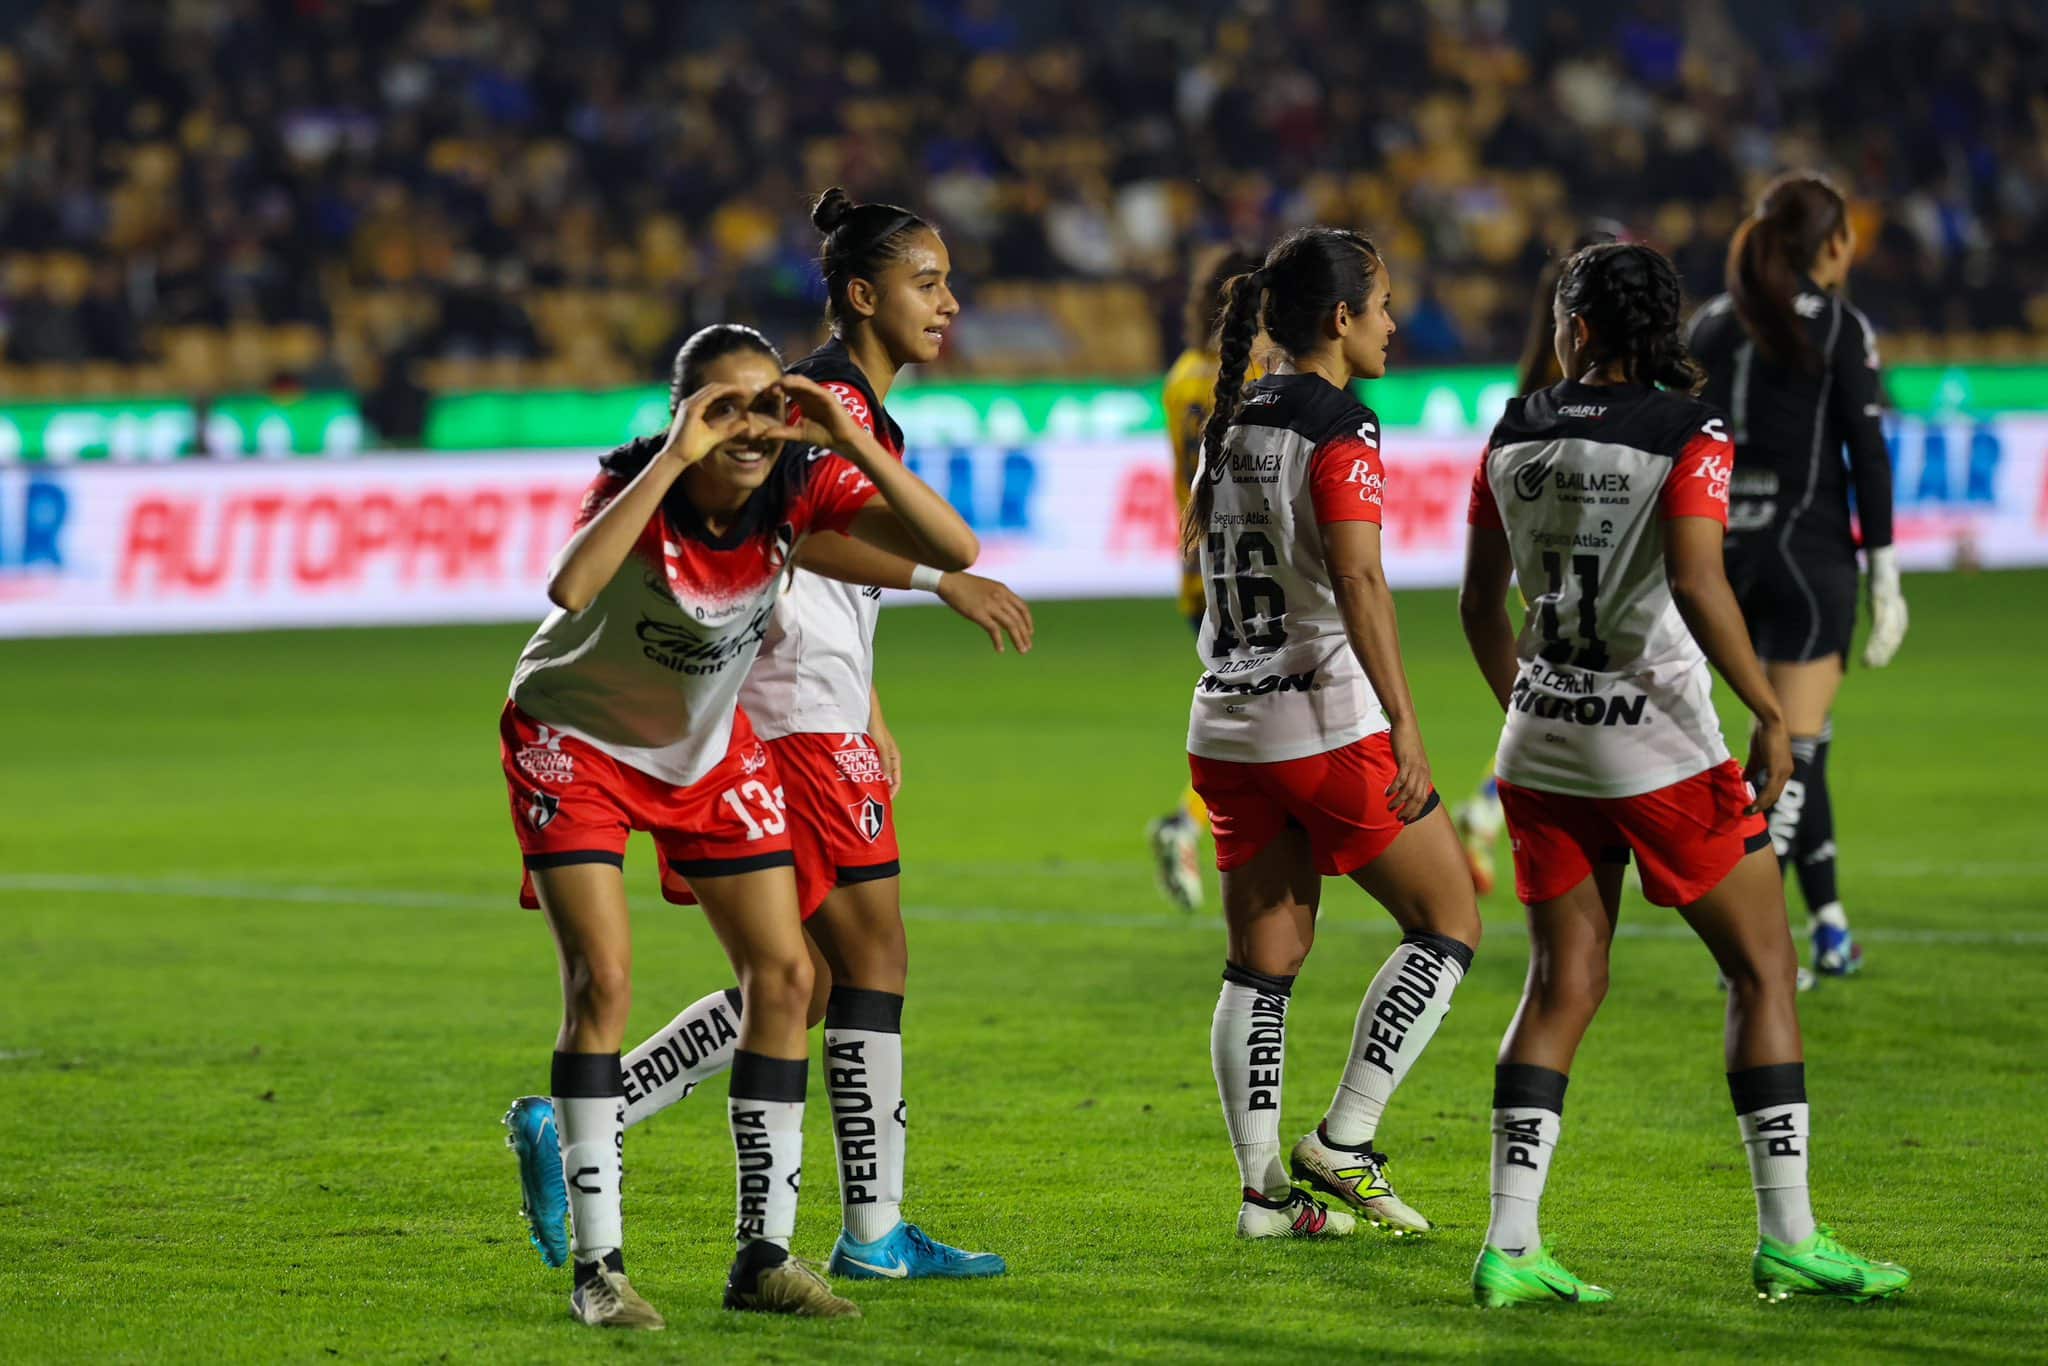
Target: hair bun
x,y
833,207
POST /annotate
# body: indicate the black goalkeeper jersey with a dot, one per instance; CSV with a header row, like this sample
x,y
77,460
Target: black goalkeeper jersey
x,y
1792,429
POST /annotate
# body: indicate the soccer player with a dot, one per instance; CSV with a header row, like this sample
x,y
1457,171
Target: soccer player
x,y
1478,818
623,715
1302,737
1606,496
810,697
1190,395
1795,368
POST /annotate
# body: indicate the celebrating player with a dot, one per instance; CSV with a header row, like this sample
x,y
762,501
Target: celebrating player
x,y
623,716
1606,496
810,697
1303,739
1189,398
1478,818
1795,368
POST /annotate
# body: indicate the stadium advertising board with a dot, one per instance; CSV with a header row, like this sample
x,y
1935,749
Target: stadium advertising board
x,y
200,545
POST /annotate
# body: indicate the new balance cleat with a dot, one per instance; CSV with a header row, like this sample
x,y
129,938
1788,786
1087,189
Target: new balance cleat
x,y
1175,859
604,1298
907,1252
765,1279
1500,1280
1478,823
1821,1266
1357,1177
1295,1215
543,1199
1835,951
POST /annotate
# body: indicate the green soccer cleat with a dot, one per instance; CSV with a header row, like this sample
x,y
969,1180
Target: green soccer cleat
x,y
1821,1266
1499,1280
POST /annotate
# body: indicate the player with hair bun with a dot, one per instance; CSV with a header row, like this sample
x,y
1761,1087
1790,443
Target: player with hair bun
x,y
1795,367
811,698
624,716
1302,738
1606,495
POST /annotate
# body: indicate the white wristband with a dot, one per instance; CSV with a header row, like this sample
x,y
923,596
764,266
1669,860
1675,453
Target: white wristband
x,y
926,578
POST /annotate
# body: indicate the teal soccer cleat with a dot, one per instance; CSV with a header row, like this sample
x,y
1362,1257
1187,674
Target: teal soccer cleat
x,y
543,1199
906,1252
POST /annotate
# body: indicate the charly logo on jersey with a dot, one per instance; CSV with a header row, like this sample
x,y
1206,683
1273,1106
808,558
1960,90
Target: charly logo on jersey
x,y
857,760
869,817
544,760
780,547
1592,410
1530,479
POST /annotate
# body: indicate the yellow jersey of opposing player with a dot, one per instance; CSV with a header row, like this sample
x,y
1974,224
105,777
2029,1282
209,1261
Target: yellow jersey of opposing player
x,y
1190,398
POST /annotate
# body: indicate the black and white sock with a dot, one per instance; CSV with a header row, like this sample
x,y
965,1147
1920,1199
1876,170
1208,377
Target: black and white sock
x,y
1790,808
590,1129
683,1054
1813,848
864,1074
1528,1116
1248,1049
1406,1002
766,1106
1770,1105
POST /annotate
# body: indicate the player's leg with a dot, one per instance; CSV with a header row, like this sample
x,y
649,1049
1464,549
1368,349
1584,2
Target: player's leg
x,y
1416,872
859,932
585,906
1803,821
1270,898
754,915
1175,837
1742,921
1478,819
1570,937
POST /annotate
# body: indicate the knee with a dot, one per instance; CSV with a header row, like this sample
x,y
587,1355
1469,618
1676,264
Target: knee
x,y
598,992
780,988
1568,988
821,992
1756,981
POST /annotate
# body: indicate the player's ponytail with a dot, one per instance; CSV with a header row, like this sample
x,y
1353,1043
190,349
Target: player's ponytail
x,y
1628,295
859,240
1773,247
1305,276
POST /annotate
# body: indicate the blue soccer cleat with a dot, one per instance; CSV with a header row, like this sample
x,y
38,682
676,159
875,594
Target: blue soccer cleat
x,y
1835,952
905,1252
543,1199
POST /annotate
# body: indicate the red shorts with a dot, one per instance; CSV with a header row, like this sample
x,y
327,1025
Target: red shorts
x,y
1339,797
573,803
841,825
1686,837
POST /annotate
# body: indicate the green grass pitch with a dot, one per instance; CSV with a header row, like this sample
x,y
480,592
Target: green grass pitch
x,y
264,992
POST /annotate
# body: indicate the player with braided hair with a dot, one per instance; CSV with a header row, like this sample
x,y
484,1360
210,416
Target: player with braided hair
x,y
1303,739
1607,495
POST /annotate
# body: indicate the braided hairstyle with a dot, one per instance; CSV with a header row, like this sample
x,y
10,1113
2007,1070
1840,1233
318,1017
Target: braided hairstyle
x,y
1628,295
1777,244
860,239
1305,276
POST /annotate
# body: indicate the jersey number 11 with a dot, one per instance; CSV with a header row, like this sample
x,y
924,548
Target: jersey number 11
x,y
1556,649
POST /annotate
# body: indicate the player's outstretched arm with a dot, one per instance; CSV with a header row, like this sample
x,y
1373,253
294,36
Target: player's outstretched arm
x,y
1483,609
985,602
593,555
1699,585
906,517
1352,551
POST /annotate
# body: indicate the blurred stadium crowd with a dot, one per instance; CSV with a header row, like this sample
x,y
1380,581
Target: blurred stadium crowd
x,y
207,194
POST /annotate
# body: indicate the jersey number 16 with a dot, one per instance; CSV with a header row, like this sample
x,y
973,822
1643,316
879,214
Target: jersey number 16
x,y
1261,616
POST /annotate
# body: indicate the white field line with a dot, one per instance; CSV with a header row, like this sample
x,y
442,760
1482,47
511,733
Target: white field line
x,y
1665,925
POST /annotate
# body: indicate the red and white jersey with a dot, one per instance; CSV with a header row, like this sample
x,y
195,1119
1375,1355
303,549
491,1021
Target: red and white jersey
x,y
1281,680
650,671
1614,697
817,664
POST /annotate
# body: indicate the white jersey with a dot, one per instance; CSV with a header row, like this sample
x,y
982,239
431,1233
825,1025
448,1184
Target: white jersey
x,y
1281,679
650,671
815,674
1614,696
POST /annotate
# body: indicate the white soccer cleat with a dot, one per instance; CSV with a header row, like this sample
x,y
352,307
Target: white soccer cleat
x,y
606,1299
1357,1177
1176,861
1297,1215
